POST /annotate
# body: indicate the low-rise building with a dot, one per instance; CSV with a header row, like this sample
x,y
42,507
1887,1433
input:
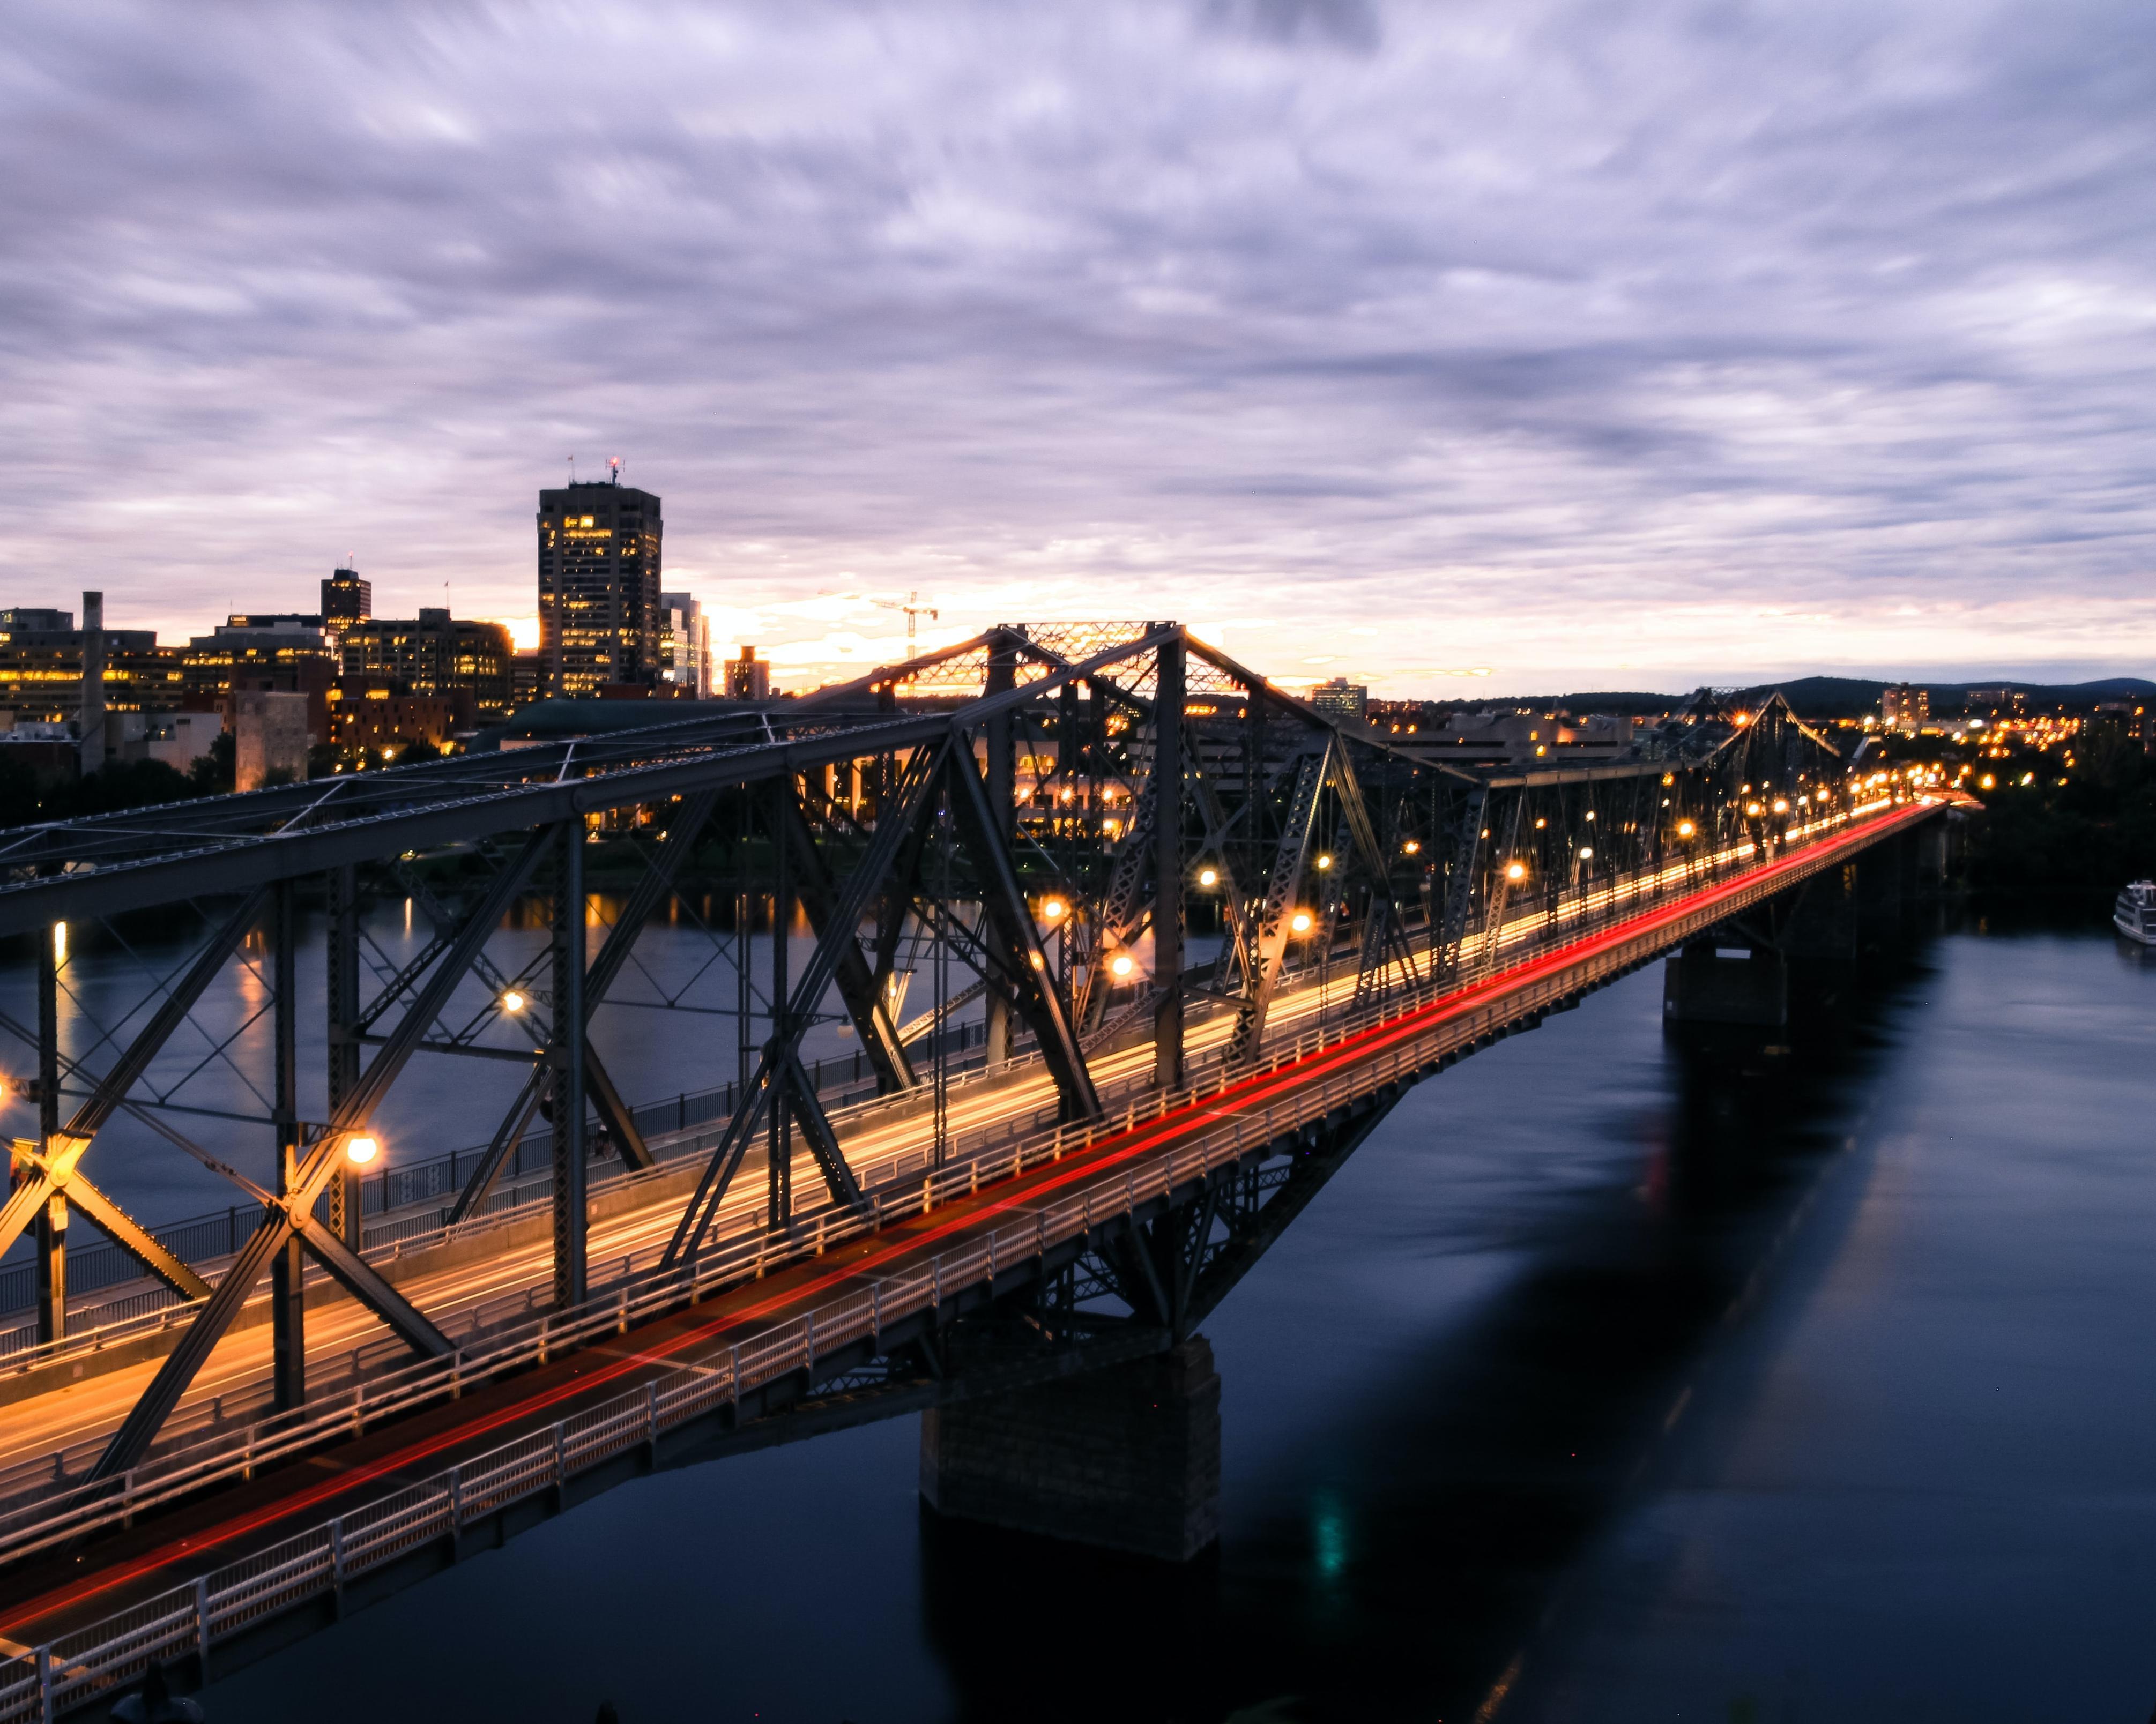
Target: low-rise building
x,y
1340,698
271,736
41,668
376,720
434,653
254,654
748,677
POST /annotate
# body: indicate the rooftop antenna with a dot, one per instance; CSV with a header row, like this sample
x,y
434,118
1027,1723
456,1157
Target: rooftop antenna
x,y
573,470
613,469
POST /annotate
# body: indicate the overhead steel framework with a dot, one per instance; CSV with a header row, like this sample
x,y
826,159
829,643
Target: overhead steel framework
x,y
1047,821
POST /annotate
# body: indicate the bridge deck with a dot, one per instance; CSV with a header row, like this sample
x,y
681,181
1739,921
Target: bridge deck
x,y
698,1368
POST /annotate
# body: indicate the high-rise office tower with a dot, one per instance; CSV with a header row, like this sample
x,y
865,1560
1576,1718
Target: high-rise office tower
x,y
599,586
347,598
685,643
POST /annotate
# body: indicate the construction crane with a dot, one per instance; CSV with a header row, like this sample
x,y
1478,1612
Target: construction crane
x,y
914,610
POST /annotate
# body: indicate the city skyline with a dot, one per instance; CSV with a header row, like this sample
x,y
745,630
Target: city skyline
x,y
1597,350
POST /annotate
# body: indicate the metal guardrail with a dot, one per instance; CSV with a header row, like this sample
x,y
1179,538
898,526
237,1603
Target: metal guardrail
x,y
189,1620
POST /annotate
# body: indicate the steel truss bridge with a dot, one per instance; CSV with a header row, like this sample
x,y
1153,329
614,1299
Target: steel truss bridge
x,y
1129,950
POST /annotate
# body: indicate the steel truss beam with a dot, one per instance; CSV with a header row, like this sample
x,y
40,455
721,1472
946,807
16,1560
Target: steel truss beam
x,y
661,871
52,1169
312,1176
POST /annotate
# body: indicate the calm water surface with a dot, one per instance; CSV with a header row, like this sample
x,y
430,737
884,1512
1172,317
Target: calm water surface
x,y
1605,1382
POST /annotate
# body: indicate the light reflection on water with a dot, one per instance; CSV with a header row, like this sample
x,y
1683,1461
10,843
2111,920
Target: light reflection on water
x,y
1639,1386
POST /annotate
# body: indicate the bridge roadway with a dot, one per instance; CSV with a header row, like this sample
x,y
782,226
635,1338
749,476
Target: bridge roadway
x,y
68,1590
58,1432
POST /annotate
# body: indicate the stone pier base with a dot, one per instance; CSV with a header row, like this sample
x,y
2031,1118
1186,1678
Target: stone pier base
x,y
1728,984
1127,1457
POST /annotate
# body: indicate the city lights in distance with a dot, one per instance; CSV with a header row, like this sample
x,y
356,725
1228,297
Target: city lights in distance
x,y
361,1150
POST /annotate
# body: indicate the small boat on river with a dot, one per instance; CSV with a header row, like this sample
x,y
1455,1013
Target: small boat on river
x,y
2134,915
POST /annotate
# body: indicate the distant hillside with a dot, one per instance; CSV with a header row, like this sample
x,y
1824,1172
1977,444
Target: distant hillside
x,y
1820,696
1852,696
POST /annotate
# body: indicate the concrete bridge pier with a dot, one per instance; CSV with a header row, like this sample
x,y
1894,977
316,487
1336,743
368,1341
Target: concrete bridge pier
x,y
1126,1457
1726,980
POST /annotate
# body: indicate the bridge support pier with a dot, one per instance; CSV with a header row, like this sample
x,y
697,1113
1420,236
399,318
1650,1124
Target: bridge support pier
x,y
1725,984
1127,1457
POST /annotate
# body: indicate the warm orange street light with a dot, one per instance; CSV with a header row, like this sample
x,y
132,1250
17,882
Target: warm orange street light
x,y
1299,922
362,1150
1516,871
1053,909
1120,964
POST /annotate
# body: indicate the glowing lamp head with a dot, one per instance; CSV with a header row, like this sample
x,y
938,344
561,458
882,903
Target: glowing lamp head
x,y
1054,909
1119,965
1686,828
1412,846
1208,876
512,1001
1781,805
1753,810
361,1150
1516,871
1587,853
1299,922
1324,862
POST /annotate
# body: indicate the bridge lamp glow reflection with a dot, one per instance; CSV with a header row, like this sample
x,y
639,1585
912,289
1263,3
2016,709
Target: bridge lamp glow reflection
x,y
360,1151
512,1001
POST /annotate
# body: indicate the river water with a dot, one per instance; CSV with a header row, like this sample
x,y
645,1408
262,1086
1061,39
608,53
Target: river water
x,y
1607,1381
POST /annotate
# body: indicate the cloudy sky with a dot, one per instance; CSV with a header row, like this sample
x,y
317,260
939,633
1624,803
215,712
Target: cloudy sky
x,y
1613,344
